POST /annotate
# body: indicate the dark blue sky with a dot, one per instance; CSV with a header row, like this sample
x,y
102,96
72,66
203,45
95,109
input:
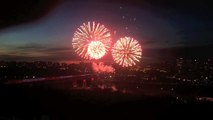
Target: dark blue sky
x,y
156,25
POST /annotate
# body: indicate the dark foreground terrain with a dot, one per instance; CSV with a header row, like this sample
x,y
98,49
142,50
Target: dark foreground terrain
x,y
37,102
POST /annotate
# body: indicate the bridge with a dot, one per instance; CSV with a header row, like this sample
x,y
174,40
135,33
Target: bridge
x,y
45,79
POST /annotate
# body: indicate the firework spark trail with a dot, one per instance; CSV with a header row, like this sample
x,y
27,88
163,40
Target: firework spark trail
x,y
126,52
87,33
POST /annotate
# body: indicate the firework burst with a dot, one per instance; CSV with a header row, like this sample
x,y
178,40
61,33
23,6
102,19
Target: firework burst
x,y
96,49
126,52
91,34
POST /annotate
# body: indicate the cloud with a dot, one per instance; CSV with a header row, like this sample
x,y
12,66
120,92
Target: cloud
x,y
35,51
30,46
150,42
18,58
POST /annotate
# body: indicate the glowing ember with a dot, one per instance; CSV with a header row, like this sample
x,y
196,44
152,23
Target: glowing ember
x,y
87,33
96,49
126,52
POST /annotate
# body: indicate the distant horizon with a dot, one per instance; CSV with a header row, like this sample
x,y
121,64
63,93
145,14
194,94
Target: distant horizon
x,y
202,52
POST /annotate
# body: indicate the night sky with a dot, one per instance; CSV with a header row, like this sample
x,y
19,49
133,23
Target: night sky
x,y
44,30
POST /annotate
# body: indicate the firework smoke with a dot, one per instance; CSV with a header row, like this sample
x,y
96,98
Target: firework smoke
x,y
100,67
